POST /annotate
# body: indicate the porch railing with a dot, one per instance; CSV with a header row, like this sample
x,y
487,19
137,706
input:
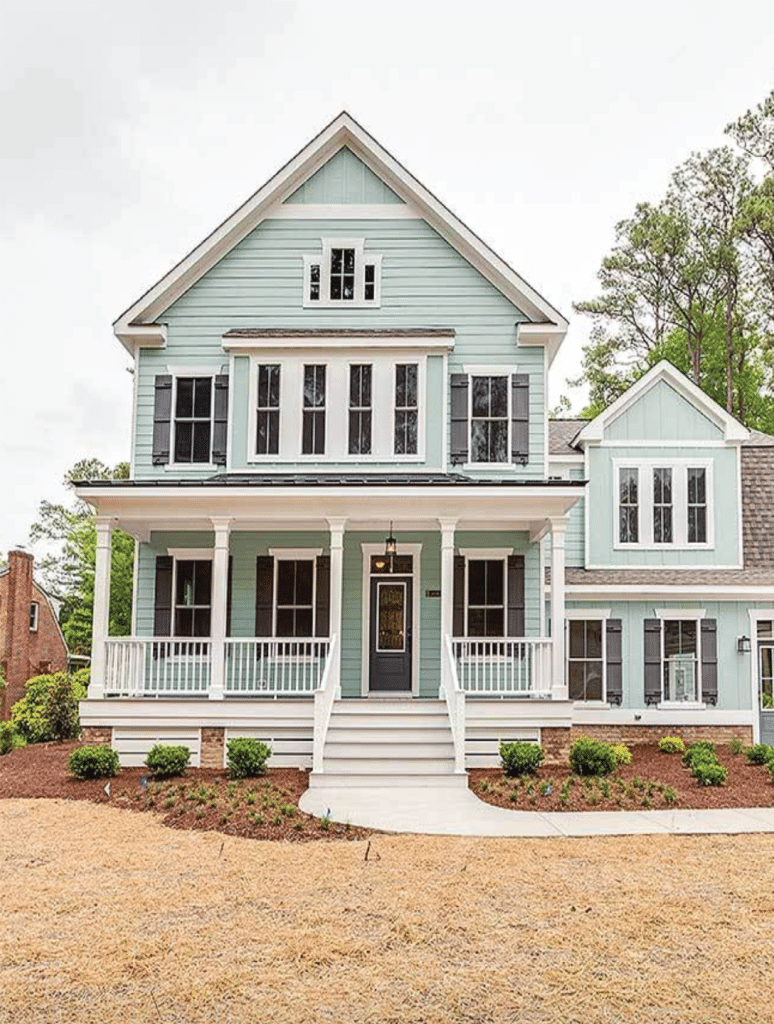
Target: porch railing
x,y
324,697
503,666
274,667
454,695
157,666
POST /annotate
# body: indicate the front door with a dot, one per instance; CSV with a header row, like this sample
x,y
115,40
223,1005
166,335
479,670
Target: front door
x,y
766,690
390,646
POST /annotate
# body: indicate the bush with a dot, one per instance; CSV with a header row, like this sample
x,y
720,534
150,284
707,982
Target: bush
x,y
759,753
709,773
49,708
246,758
622,754
166,762
698,749
735,745
82,677
591,757
93,762
520,758
770,766
671,745
9,738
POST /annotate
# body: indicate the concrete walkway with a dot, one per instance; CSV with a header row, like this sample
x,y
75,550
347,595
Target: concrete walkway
x,y
456,811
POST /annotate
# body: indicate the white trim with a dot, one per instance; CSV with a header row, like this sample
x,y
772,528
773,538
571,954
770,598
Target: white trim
x,y
323,261
645,567
392,344
230,413
415,550
756,615
207,368
674,705
587,613
658,445
669,374
343,211
135,370
200,374
190,467
664,717
34,621
573,461
680,613
342,131
295,554
135,585
647,591
192,554
546,441
481,554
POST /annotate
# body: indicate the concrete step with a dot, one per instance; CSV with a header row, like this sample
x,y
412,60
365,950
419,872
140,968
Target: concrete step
x,y
398,780
397,734
365,750
389,765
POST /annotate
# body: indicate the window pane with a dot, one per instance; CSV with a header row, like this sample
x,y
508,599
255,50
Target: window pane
x,y
184,622
183,441
476,582
201,442
593,680
391,616
480,396
335,287
286,582
476,622
202,582
336,260
577,639
594,638
576,680
498,441
314,281
499,396
185,583
202,396
479,441
349,261
304,622
765,628
494,582
494,622
184,404
304,578
201,622
285,622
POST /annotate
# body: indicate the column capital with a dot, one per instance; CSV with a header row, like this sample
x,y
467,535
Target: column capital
x,y
447,525
221,524
336,526
104,526
558,525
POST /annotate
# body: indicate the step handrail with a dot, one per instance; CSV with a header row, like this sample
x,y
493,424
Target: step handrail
x,y
324,698
454,695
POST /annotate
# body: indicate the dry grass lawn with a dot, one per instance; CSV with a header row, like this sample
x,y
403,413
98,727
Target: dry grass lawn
x,y
109,917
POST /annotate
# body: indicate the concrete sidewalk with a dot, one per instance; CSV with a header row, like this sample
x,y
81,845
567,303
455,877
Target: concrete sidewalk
x,y
456,811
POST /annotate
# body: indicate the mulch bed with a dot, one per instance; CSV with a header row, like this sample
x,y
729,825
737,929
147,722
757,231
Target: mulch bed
x,y
204,799
640,785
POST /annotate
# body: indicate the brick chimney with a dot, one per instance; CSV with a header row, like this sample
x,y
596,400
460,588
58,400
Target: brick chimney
x,y
15,614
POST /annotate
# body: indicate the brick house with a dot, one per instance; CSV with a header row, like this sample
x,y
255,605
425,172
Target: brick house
x,y
31,641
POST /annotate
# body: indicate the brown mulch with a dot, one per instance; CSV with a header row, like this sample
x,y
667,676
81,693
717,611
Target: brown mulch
x,y
204,799
637,786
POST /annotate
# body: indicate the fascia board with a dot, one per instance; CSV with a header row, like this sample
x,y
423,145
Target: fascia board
x,y
288,343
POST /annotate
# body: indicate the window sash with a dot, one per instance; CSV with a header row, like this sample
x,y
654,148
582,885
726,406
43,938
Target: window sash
x,y
294,617
268,409
697,504
680,662
360,409
406,429
193,597
628,505
193,420
314,407
342,274
662,505
586,651
489,419
486,618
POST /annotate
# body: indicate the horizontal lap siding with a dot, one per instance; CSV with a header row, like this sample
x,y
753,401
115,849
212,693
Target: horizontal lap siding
x,y
519,542
425,283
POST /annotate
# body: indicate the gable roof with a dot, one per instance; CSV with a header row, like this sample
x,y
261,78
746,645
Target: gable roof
x,y
667,372
561,436
547,326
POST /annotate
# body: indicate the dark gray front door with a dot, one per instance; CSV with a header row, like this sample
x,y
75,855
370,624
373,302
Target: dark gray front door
x,y
390,648
766,690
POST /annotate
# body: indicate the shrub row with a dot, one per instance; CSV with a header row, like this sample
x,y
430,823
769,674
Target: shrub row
x,y
593,757
701,758
246,758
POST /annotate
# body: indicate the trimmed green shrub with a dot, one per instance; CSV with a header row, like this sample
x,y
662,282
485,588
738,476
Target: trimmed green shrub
x,y
82,677
591,757
246,757
621,753
520,758
770,766
671,745
759,753
9,738
699,748
166,761
93,762
49,708
709,773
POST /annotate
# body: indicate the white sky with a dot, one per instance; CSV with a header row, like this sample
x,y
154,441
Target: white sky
x,y
129,130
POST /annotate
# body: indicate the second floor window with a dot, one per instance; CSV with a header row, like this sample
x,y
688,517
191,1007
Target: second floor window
x,y
268,418
193,419
697,505
360,410
489,419
34,611
662,505
628,506
313,426
665,506
342,275
406,409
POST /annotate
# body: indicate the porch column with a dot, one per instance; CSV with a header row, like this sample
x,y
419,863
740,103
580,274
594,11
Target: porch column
x,y
448,527
559,679
337,587
101,619
218,623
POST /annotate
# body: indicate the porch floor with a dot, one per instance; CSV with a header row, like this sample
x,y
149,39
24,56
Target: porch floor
x,y
438,810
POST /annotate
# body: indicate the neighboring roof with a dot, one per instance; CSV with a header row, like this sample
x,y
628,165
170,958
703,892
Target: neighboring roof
x,y
54,604
758,439
667,372
342,131
560,435
259,480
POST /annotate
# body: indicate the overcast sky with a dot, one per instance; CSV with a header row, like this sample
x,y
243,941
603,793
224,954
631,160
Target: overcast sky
x,y
129,130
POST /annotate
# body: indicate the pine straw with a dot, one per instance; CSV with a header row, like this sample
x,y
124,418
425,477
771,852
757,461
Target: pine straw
x,y
108,916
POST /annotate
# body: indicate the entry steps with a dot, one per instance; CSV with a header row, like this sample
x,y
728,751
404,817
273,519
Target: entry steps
x,y
388,742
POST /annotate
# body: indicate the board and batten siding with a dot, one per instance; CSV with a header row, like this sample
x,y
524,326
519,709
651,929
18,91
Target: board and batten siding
x,y
661,414
344,179
425,283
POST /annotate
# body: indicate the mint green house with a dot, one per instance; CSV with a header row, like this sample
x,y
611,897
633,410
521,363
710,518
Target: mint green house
x,y
359,537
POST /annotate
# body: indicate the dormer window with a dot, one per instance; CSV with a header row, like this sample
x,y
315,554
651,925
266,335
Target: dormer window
x,y
664,505
343,275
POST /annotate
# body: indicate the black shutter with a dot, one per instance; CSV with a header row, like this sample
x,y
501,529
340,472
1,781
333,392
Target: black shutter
x,y
459,417
264,595
520,418
162,419
652,661
229,585
516,625
614,661
709,661
162,607
458,616
322,613
220,420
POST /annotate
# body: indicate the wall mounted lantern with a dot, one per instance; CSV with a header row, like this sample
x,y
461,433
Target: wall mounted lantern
x,y
743,645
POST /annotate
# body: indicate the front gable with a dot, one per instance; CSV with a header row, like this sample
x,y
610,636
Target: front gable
x,y
344,179
662,414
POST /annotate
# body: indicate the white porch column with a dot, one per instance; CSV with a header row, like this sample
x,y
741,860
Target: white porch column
x,y
219,598
559,678
337,588
101,619
448,527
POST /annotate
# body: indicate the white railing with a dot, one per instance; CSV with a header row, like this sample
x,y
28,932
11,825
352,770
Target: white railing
x,y
157,666
275,667
454,695
503,666
324,697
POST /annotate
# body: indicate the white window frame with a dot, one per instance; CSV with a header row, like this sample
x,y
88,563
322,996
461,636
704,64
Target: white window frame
x,y
487,555
490,371
407,457
645,496
293,555
254,440
323,260
586,615
682,615
188,555
198,374
34,616
360,408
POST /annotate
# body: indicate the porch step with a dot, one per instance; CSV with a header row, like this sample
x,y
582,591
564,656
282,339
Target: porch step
x,y
347,780
390,706
369,720
367,751
395,735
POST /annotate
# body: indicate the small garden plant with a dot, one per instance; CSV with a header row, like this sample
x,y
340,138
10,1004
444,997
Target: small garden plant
x,y
699,749
735,745
622,754
93,762
591,757
10,738
759,753
166,762
671,745
246,757
519,758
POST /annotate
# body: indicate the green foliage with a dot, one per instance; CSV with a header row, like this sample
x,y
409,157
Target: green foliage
x,y
167,761
735,745
93,762
759,753
10,738
591,757
709,772
770,766
49,708
701,749
669,794
521,758
246,757
621,753
671,745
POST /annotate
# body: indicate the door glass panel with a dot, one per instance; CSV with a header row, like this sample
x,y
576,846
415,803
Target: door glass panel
x,y
391,616
396,565
764,629
766,674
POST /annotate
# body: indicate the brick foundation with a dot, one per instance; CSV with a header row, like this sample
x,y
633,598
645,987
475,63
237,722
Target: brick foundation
x,y
634,734
213,747
97,735
556,744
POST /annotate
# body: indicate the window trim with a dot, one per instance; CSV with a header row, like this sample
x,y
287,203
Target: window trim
x,y
679,467
259,363
293,555
682,615
191,466
486,370
34,616
188,555
419,454
360,408
486,555
314,409
323,260
588,615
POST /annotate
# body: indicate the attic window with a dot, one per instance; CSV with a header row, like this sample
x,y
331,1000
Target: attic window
x,y
343,275
34,614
